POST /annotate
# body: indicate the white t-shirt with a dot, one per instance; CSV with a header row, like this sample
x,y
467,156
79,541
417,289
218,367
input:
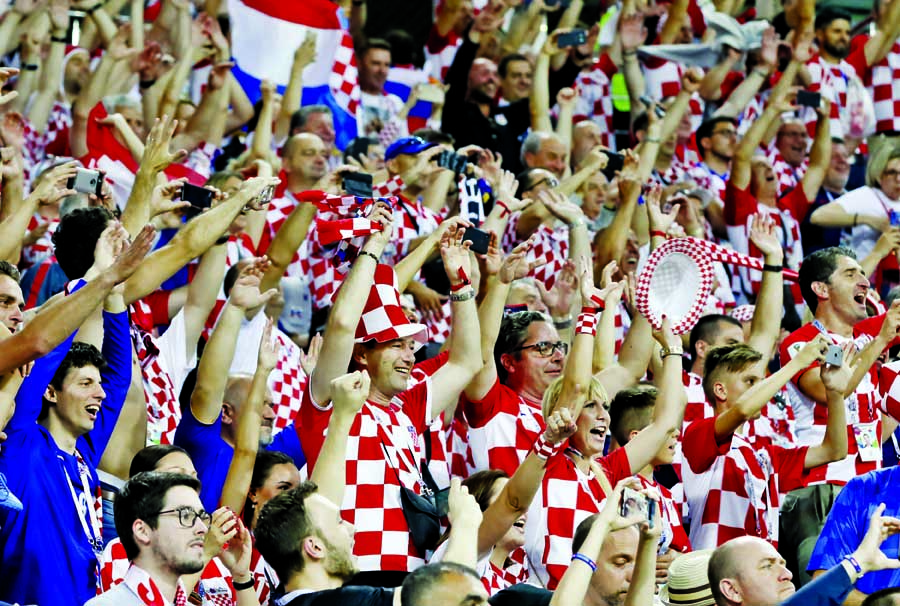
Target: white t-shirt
x,y
866,201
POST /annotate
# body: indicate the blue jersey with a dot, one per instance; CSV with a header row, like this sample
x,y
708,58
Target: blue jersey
x,y
848,523
212,455
46,556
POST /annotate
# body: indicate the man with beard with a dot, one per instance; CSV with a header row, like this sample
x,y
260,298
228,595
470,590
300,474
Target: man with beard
x,y
162,526
788,156
380,109
716,142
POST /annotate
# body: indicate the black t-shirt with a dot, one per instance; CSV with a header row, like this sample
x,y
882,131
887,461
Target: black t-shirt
x,y
352,595
521,595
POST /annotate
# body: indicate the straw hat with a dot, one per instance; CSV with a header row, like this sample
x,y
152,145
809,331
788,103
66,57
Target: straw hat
x,y
688,583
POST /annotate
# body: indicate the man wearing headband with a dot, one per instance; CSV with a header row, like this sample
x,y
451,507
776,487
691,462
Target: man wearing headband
x,y
834,287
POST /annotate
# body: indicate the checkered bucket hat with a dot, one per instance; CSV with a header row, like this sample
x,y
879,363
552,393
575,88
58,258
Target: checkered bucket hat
x,y
383,319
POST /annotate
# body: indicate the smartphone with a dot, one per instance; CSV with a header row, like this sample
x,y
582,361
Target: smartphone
x,y
200,199
452,161
835,355
480,239
431,93
357,184
614,163
809,99
637,504
266,196
647,101
576,37
86,181
894,217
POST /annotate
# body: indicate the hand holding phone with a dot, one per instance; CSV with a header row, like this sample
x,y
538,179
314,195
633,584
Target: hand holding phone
x,y
635,504
576,37
809,99
86,181
480,240
199,198
834,356
614,163
357,184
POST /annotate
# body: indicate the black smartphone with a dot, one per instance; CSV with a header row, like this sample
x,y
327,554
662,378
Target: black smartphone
x,y
576,37
480,239
452,160
647,101
357,184
614,163
200,199
86,181
809,99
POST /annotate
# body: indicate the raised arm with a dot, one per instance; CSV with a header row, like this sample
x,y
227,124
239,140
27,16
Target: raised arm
x,y
675,19
212,372
743,155
834,442
349,393
609,244
340,332
465,520
819,154
766,325
289,238
465,344
642,588
293,92
51,73
247,425
744,92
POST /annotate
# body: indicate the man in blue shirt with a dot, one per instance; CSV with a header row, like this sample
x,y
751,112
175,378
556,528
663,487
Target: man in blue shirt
x,y
848,522
49,551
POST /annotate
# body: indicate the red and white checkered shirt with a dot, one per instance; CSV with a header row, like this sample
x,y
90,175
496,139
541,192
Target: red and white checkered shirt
x,y
43,248
594,99
497,579
503,426
882,81
385,449
734,488
440,52
566,498
832,80
215,586
549,252
863,410
708,179
788,176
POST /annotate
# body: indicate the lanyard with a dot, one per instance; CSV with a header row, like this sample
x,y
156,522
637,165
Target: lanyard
x,y
94,532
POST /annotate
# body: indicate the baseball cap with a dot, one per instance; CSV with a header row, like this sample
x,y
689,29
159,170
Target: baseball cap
x,y
407,145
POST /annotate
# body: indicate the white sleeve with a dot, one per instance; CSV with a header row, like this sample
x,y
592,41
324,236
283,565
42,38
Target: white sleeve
x,y
177,356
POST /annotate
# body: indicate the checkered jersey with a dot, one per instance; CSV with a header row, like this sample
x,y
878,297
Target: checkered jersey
x,y
566,498
43,248
708,179
215,586
622,322
35,143
440,52
384,449
733,489
663,79
863,408
882,81
677,172
287,381
788,176
740,206
163,410
889,387
411,220
594,99
673,535
549,252
833,81
503,427
497,579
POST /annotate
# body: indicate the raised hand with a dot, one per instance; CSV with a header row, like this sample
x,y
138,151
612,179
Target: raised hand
x,y
238,551
562,208
217,535
268,347
560,425
559,298
667,339
814,351
310,357
691,79
52,187
381,213
349,392
218,75
463,509
163,198
306,52
245,293
254,187
130,259
455,253
764,236
12,130
869,554
156,156
768,53
660,220
566,97
632,32
837,378
515,265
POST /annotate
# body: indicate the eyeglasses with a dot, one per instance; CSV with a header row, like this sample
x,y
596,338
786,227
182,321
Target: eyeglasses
x,y
727,133
545,349
551,181
892,173
187,517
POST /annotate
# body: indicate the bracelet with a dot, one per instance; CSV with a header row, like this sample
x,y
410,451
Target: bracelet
x,y
629,53
658,232
586,560
30,67
652,139
566,323
61,39
242,586
587,323
760,72
504,208
773,268
665,353
544,449
600,303
853,562
465,296
365,253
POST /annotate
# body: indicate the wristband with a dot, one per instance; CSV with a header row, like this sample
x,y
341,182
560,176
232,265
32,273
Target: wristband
x,y
657,232
504,208
242,586
365,253
60,39
652,139
665,353
600,303
564,323
30,67
465,296
853,562
90,11
773,268
544,449
587,323
629,53
585,560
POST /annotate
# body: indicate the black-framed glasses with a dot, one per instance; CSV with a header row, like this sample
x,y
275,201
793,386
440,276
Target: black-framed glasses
x,y
552,182
545,349
187,516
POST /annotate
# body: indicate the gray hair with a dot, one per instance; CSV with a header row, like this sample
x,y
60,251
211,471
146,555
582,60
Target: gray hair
x,y
532,143
300,117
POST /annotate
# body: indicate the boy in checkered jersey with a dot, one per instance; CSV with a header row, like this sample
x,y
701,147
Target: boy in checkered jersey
x,y
732,485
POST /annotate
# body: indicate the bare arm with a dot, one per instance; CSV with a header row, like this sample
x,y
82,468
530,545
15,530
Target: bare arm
x,y
677,13
819,154
293,92
834,443
766,324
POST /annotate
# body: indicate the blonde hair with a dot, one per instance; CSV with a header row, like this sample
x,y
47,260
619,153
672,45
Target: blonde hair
x,y
596,392
879,162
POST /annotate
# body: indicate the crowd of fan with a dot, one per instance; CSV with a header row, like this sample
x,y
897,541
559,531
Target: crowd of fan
x,y
298,396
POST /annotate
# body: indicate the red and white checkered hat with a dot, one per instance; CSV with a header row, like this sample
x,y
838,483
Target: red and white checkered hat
x,y
383,318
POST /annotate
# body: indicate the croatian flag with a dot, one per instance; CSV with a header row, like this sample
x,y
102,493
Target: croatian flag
x,y
400,82
264,36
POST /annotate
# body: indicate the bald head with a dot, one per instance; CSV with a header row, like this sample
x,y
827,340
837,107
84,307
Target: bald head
x,y
305,158
750,572
236,396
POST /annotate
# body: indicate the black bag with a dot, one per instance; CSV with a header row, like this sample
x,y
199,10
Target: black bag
x,y
423,512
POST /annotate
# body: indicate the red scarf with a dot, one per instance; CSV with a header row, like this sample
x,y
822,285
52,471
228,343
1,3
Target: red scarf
x,y
138,581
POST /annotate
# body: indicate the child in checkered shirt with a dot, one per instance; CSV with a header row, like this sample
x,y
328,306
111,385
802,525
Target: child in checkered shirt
x,y
733,486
